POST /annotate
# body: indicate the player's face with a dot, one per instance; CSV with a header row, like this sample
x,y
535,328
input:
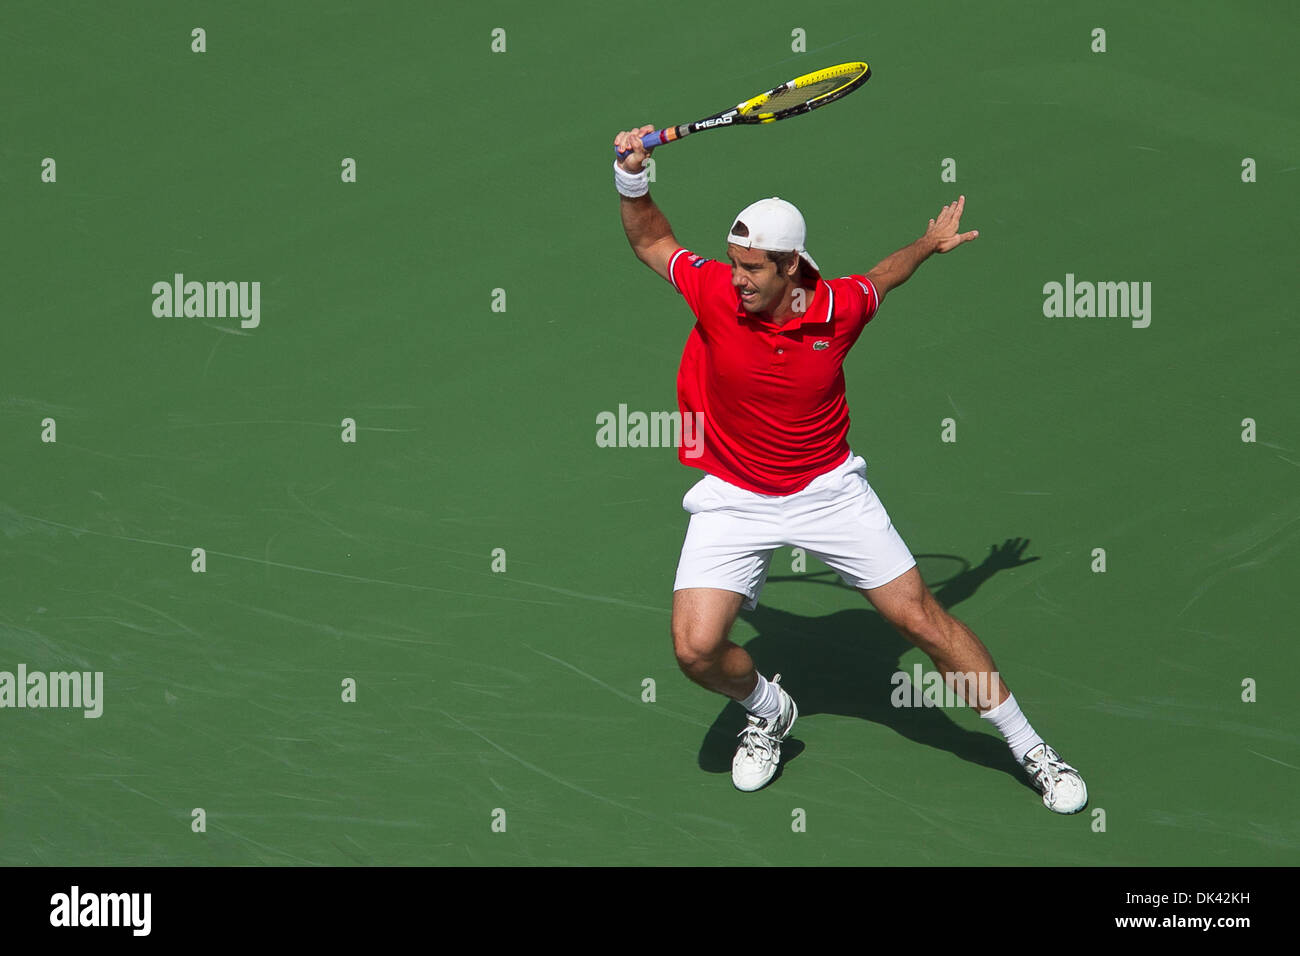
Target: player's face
x,y
758,281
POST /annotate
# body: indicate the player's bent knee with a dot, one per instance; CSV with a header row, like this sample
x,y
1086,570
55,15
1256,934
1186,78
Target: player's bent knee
x,y
695,650
700,623
698,646
692,665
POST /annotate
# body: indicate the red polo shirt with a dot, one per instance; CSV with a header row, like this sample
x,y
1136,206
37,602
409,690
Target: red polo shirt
x,y
772,397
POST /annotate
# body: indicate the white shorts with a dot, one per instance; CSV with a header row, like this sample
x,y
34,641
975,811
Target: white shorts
x,y
837,519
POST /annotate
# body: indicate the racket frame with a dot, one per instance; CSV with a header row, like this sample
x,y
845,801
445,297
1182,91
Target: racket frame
x,y
747,111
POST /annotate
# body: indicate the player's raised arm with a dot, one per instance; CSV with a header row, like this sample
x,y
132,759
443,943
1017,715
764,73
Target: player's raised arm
x,y
647,229
941,236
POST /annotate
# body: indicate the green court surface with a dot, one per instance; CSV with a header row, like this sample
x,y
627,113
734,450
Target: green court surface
x,y
515,697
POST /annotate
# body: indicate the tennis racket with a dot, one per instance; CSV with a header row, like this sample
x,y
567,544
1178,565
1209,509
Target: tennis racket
x,y
800,95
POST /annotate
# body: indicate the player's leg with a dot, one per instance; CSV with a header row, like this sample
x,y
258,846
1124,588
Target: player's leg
x,y
724,562
842,521
957,653
967,666
723,566
702,619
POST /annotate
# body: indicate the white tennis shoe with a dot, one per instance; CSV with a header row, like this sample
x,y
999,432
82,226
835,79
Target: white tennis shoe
x,y
760,745
1062,788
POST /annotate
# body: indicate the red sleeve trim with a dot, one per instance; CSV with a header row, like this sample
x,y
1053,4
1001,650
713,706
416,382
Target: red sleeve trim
x,y
672,264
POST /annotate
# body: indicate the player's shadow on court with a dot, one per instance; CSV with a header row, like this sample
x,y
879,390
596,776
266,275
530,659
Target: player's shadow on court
x,y
843,663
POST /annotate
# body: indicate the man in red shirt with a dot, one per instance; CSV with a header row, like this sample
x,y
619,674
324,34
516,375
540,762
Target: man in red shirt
x,y
763,370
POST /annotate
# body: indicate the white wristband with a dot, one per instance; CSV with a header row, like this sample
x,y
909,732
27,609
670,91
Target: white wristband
x,y
631,185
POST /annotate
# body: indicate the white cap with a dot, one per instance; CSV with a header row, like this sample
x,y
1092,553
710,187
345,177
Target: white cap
x,y
775,226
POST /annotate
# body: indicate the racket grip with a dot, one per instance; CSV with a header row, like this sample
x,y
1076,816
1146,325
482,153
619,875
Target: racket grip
x,y
649,141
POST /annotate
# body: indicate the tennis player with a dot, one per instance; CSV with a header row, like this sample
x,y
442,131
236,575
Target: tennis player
x,y
764,366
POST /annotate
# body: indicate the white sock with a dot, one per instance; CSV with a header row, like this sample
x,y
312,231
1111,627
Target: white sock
x,y
1008,719
765,702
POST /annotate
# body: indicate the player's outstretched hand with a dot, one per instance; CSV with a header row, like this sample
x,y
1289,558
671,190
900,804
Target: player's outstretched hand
x,y
943,228
631,139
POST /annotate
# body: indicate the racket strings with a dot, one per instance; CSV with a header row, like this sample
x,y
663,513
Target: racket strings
x,y
788,98
807,89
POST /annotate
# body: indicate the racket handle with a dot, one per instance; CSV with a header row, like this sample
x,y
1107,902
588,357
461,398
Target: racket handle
x,y
649,141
